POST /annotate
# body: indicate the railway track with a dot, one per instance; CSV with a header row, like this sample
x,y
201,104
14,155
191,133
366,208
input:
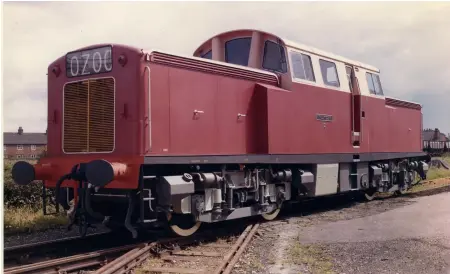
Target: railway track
x,y
124,258
20,254
32,258
72,263
138,255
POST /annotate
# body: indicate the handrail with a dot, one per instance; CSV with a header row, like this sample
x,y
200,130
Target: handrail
x,y
147,68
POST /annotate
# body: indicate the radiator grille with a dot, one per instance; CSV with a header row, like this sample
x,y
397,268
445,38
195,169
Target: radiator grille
x,y
89,116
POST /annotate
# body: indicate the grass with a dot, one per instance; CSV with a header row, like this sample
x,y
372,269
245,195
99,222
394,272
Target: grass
x,y
439,183
436,173
312,256
436,178
27,219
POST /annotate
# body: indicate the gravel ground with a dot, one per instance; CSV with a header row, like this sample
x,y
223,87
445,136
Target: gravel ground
x,y
395,256
357,237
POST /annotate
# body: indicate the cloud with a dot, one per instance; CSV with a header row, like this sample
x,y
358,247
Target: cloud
x,y
407,41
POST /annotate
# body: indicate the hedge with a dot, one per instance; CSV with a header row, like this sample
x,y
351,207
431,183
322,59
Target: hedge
x,y
18,196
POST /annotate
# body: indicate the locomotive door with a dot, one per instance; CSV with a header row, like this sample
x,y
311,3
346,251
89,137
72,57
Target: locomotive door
x,y
355,105
192,112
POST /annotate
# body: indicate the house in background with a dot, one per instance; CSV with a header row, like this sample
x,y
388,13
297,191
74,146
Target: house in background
x,y
21,145
434,135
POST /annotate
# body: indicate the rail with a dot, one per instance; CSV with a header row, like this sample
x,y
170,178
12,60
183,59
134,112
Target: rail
x,y
18,252
138,255
71,263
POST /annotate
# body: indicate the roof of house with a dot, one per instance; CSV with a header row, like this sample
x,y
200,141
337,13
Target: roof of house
x,y
428,135
21,138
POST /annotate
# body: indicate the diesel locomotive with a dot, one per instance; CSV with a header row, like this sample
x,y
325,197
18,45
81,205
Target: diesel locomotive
x,y
248,123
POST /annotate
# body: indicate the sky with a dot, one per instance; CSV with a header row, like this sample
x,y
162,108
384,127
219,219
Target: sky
x,y
408,42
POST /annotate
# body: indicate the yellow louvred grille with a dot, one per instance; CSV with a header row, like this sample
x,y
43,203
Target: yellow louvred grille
x,y
89,116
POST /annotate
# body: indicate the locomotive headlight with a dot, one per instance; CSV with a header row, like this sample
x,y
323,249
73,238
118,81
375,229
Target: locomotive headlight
x,y
123,60
56,70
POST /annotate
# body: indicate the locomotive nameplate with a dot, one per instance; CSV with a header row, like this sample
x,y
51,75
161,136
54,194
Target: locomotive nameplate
x,y
89,62
324,117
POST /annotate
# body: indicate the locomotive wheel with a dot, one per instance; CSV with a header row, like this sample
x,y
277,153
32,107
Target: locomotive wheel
x,y
370,194
415,178
271,216
182,225
400,192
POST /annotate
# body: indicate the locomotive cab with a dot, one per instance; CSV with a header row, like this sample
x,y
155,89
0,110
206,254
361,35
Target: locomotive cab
x,y
250,48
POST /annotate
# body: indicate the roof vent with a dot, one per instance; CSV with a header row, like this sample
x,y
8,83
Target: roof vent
x,y
20,131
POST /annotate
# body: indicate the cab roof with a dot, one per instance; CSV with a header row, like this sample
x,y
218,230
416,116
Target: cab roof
x,y
290,44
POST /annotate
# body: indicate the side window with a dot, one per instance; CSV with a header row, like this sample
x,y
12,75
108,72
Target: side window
x,y
274,57
302,67
237,51
373,81
377,84
329,73
207,55
370,83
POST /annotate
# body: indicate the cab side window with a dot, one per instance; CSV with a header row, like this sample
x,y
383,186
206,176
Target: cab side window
x,y
329,73
274,57
302,66
237,51
374,84
207,55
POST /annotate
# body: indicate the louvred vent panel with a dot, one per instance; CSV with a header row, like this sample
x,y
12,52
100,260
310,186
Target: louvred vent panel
x,y
89,116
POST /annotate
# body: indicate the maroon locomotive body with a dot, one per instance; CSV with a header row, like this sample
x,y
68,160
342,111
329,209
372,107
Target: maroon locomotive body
x,y
249,122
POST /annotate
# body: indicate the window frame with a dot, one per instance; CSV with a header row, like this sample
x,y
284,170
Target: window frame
x,y
203,55
33,147
349,76
234,39
292,64
283,56
324,79
372,75
19,147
